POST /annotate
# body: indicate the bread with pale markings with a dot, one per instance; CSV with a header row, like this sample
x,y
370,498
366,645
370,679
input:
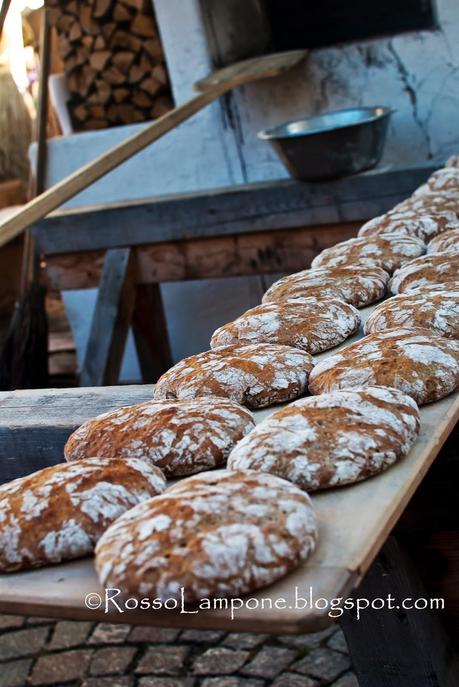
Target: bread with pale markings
x,y
424,227
180,437
438,311
220,534
430,203
387,251
59,513
333,439
311,324
452,161
358,286
418,362
429,269
256,375
445,243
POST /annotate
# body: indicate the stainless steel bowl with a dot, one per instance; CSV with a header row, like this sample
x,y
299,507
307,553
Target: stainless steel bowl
x,y
331,145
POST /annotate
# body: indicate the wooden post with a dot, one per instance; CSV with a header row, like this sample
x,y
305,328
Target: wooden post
x,y
150,332
398,648
111,320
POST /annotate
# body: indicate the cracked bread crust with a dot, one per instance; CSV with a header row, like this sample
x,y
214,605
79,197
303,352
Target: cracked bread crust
x,y
436,311
180,437
358,286
333,439
223,533
445,243
59,513
428,203
309,324
424,227
433,268
388,251
257,375
418,362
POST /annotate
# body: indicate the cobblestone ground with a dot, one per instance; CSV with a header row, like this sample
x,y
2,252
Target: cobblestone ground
x,y
41,651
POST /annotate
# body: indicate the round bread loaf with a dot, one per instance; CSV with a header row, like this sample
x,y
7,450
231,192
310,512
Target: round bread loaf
x,y
180,437
387,251
453,161
441,287
445,243
220,534
418,362
59,513
255,376
437,311
311,324
428,269
332,439
444,180
358,286
430,203
424,227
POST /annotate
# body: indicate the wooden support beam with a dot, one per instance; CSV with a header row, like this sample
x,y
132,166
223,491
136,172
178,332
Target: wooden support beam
x,y
398,648
150,332
240,209
111,320
287,250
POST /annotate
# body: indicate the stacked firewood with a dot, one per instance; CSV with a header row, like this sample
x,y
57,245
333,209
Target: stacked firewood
x,y
113,59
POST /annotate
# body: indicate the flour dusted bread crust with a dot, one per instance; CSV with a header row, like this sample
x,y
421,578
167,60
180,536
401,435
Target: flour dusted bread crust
x,y
256,376
59,513
357,286
332,439
428,269
444,180
445,243
220,534
438,311
311,324
453,161
424,227
430,203
441,287
418,362
387,251
180,437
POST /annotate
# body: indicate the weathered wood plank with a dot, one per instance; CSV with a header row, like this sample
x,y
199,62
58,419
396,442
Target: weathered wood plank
x,y
227,256
150,332
111,319
233,210
397,647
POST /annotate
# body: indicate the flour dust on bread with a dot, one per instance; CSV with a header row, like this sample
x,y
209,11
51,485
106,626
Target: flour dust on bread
x,y
358,286
59,513
310,324
180,437
422,226
219,534
419,362
388,251
333,439
256,375
453,161
438,311
430,203
433,268
445,243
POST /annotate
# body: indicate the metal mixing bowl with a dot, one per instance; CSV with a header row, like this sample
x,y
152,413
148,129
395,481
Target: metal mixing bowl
x,y
333,144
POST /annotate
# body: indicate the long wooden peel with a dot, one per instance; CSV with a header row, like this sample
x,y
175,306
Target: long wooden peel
x,y
210,89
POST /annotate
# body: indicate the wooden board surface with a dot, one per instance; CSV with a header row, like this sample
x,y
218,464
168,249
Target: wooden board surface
x,y
354,522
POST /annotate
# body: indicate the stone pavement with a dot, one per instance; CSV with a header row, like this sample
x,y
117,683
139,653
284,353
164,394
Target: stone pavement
x,y
42,651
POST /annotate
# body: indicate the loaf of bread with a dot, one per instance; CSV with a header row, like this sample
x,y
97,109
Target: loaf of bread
x,y
438,311
424,227
388,251
453,161
418,362
180,437
311,324
222,533
332,439
445,243
357,286
256,376
59,513
428,269
430,289
430,203
445,180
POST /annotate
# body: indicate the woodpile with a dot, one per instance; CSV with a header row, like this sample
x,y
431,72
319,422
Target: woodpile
x,y
113,59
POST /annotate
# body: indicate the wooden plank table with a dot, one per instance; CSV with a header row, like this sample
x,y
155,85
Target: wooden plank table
x,y
354,521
